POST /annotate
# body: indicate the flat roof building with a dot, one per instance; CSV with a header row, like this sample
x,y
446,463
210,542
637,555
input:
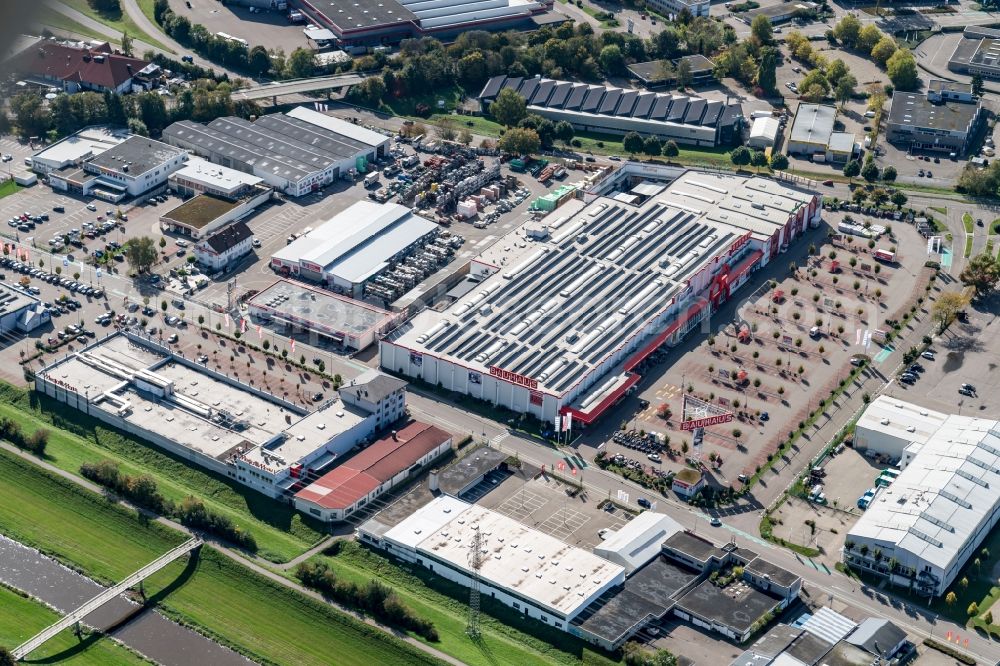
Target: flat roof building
x,y
978,52
295,152
355,482
74,150
131,168
199,176
524,568
811,129
638,541
557,325
781,12
265,442
298,306
355,246
688,120
940,507
919,123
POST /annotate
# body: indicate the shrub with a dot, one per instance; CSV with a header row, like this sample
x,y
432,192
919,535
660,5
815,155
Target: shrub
x,y
192,512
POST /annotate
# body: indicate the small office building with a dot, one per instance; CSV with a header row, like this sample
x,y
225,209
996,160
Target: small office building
x,y
659,73
224,248
934,121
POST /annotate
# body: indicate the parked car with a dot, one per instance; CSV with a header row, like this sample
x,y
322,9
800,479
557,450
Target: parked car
x,y
929,355
644,503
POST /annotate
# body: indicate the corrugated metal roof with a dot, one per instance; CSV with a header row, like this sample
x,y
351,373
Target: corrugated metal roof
x,y
829,625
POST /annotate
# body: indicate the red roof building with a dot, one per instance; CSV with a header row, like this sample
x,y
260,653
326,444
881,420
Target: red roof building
x,y
372,472
75,68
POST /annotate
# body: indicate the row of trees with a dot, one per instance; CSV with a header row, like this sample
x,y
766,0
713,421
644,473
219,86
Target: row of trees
x,y
256,60
142,490
34,442
373,597
144,113
981,182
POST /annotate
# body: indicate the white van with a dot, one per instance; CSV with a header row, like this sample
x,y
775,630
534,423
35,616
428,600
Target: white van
x,y
814,332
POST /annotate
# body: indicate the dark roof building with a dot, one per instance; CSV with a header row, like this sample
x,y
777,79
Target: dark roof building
x,y
78,67
386,463
978,52
924,124
878,636
688,120
230,237
654,74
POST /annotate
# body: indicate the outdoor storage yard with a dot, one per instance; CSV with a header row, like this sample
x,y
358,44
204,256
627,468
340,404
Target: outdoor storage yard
x,y
773,378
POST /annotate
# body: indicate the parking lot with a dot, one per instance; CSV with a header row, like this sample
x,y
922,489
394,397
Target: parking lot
x,y
269,28
543,503
774,378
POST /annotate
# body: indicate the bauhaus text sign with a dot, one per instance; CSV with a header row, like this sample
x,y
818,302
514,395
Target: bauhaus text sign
x,y
513,377
707,421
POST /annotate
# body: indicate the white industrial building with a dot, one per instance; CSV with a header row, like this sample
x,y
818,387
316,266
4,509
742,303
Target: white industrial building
x,y
675,7
811,129
941,506
638,541
296,152
20,312
259,439
562,316
764,133
354,246
74,150
199,176
528,570
131,168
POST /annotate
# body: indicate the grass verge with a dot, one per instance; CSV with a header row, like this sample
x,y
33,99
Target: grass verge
x,y
506,637
939,209
8,187
22,617
237,607
968,222
968,246
61,23
75,438
119,21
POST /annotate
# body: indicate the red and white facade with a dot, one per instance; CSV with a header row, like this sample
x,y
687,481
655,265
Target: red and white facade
x,y
482,347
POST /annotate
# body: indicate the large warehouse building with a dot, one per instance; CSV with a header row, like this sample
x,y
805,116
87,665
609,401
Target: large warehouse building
x,y
940,120
594,108
390,21
355,246
558,324
256,438
296,152
941,506
978,52
523,568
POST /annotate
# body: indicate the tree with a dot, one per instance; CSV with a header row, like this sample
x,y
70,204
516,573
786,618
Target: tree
x,y
126,44
964,583
6,658
779,162
652,146
520,141
815,78
889,176
670,149
259,60
137,127
898,198
31,117
884,49
740,156
844,90
766,77
902,70
370,91
758,159
868,38
465,137
981,273
848,29
947,307
950,598
761,30
977,85
869,172
611,59
852,169
836,71
508,108
140,253
300,64
632,143
684,75
564,131
973,609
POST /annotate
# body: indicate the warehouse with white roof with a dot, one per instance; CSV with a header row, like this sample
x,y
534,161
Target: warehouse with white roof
x,y
638,541
944,503
354,246
526,569
560,320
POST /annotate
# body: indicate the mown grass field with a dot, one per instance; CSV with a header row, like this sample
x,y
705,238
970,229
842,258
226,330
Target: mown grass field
x,y
75,438
119,21
8,187
237,607
21,618
51,18
506,637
